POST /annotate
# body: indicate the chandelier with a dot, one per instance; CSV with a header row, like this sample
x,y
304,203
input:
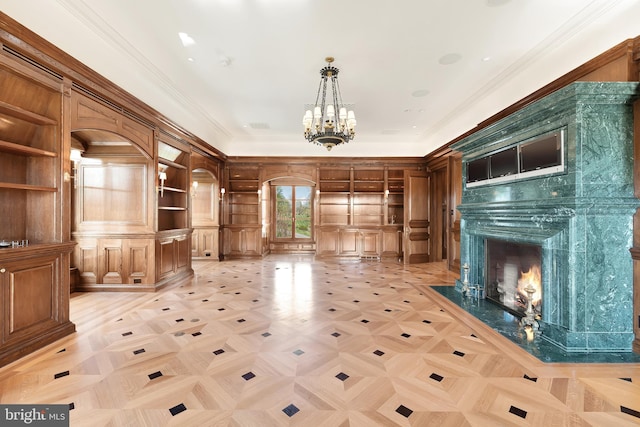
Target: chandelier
x,y
321,126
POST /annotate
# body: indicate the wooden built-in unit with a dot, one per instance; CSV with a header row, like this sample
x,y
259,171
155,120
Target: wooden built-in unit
x,y
358,206
34,273
205,207
241,213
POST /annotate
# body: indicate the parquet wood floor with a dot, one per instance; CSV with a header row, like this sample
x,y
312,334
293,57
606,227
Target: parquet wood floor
x,y
294,341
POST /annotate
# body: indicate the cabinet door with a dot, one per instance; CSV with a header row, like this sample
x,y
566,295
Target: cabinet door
x,y
371,243
328,241
392,243
349,242
110,261
165,258
30,295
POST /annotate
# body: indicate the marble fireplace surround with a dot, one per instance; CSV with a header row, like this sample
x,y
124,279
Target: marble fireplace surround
x,y
581,218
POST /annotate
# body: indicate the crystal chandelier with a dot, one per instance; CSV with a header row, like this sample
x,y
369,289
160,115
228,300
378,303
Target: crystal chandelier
x,y
321,126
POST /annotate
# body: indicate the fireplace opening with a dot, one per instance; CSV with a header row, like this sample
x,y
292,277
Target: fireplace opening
x,y
513,275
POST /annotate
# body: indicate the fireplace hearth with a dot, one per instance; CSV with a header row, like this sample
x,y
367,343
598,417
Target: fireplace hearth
x,y
565,229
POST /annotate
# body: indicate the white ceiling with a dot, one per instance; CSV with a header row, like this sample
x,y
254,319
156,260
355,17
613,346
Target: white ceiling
x,y
255,63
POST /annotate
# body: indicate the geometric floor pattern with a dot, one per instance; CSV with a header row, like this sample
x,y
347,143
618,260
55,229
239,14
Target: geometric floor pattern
x,y
296,341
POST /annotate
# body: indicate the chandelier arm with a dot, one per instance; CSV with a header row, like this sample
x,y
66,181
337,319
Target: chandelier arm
x,y
337,102
324,97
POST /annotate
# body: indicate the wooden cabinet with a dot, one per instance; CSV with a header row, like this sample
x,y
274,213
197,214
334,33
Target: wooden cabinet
x,y
360,212
173,182
205,208
242,241
30,154
34,298
334,208
368,209
34,277
173,238
204,242
173,253
395,196
109,263
242,214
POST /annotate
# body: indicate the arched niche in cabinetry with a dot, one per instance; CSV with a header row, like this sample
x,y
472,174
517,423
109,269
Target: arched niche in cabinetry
x,y
112,212
205,214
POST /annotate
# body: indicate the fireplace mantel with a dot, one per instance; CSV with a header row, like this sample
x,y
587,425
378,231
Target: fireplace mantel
x,y
582,217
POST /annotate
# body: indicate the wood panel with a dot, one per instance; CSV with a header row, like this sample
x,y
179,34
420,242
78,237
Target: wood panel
x,y
348,243
87,113
125,263
455,198
34,298
205,242
110,260
328,239
392,242
115,182
166,258
416,239
31,303
370,243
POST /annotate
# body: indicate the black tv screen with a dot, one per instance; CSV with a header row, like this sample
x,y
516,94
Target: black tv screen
x,y
478,170
504,163
543,152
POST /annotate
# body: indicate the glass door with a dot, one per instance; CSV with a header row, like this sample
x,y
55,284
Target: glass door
x,y
293,212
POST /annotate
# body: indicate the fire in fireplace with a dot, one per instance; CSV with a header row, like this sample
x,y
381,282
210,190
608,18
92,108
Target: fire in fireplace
x,y
513,273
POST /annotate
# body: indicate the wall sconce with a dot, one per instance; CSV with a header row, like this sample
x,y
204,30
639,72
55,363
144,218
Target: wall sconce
x,y
75,157
194,188
386,196
162,175
222,191
318,192
259,194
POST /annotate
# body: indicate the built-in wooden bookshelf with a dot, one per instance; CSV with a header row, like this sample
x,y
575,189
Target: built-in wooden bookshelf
x,y
34,256
360,211
173,183
241,213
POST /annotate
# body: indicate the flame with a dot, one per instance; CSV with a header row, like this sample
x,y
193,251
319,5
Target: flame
x,y
533,278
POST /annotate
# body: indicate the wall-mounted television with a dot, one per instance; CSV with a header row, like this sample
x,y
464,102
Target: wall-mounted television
x,y
503,163
478,170
542,152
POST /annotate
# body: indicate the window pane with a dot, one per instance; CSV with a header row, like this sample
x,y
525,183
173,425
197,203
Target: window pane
x,y
284,212
303,212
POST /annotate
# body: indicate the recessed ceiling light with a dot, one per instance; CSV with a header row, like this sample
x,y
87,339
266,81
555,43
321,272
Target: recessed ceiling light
x,y
190,59
486,59
419,93
496,3
450,58
186,39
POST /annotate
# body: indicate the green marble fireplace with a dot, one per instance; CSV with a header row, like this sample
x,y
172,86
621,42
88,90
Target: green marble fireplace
x,y
578,208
